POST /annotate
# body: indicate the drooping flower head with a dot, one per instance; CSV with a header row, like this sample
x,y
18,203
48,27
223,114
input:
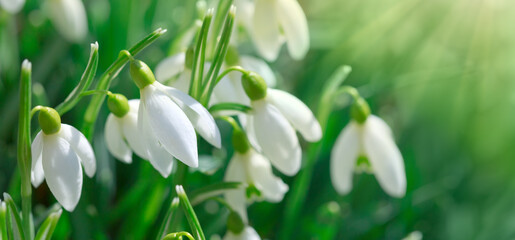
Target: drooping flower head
x,y
254,169
167,119
369,139
121,129
69,18
272,123
275,22
58,151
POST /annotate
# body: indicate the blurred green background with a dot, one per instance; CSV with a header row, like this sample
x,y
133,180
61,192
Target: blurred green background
x,y
440,72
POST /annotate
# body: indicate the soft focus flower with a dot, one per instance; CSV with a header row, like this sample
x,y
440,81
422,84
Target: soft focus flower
x,y
122,134
248,233
255,170
69,18
167,119
12,6
277,21
57,155
372,139
271,127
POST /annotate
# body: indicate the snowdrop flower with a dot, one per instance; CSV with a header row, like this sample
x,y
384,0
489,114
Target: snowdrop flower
x,y
272,16
167,119
69,18
12,6
121,128
367,136
250,167
272,123
57,154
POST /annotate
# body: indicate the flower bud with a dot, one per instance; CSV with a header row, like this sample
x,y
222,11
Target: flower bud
x,y
49,120
239,141
232,58
235,222
118,104
189,58
141,74
360,110
254,86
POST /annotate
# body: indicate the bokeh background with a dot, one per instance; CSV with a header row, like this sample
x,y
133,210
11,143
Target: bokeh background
x,y
440,72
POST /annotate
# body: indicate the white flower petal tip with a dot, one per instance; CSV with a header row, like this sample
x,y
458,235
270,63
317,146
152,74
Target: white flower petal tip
x,y
295,27
374,140
299,115
265,29
168,127
12,6
58,158
69,18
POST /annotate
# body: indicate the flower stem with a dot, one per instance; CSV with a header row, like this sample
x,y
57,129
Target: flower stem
x,y
228,70
24,141
190,213
93,109
200,56
298,193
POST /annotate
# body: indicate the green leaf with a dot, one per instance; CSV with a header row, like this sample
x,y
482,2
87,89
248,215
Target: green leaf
x,y
190,213
3,221
331,86
168,218
84,83
48,226
229,106
14,224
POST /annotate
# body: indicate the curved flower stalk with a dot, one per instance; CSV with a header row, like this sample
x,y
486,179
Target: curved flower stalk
x,y
121,132
167,119
69,18
367,137
12,6
248,233
272,123
58,151
277,21
229,89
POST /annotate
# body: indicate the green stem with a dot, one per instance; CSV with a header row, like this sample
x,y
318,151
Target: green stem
x,y
298,192
190,213
84,83
221,12
168,218
221,51
228,70
200,55
93,109
24,151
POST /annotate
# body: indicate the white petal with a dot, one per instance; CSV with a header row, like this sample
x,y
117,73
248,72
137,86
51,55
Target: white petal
x,y
297,113
37,174
276,137
236,173
248,234
260,67
230,90
201,119
295,26
131,130
183,81
272,187
385,158
81,146
114,139
160,159
170,67
381,125
63,172
247,121
69,17
170,125
343,157
12,6
266,29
